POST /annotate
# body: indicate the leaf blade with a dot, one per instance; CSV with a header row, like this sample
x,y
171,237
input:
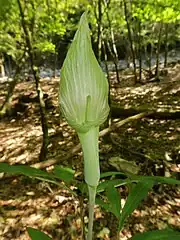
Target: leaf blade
x,y
139,192
114,200
64,173
36,234
158,179
157,235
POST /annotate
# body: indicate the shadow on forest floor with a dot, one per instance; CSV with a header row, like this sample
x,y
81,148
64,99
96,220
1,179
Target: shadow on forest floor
x,y
148,142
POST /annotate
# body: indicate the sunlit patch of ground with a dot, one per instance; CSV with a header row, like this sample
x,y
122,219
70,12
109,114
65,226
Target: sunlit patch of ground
x,y
164,95
30,204
19,144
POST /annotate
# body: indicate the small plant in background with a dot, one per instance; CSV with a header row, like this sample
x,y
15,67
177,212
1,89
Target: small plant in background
x,y
83,97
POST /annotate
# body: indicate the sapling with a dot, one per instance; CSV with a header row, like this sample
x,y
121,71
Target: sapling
x,y
83,99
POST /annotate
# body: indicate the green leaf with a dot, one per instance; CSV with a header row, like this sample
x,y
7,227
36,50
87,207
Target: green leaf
x,y
157,179
114,182
25,170
35,234
133,179
157,235
104,205
109,174
138,193
45,46
114,199
83,188
34,173
65,174
5,6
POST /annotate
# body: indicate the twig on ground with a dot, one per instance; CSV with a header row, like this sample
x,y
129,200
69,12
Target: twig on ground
x,y
77,148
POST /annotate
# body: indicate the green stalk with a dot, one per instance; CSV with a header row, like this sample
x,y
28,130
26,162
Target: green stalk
x,y
92,197
89,142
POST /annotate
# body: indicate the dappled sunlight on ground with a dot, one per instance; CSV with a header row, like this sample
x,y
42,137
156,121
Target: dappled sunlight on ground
x,y
36,206
149,95
165,94
19,144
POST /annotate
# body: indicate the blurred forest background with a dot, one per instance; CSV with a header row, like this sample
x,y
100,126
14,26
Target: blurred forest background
x,y
137,44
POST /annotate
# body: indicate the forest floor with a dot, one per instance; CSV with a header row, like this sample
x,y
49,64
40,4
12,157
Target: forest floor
x,y
154,144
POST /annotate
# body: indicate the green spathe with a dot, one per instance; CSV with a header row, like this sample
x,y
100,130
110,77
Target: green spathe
x,y
83,88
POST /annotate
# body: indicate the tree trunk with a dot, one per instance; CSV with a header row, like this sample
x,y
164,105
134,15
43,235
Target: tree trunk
x,y
7,103
126,13
2,71
166,44
139,50
114,61
113,51
106,59
108,121
150,57
158,51
127,54
44,124
99,22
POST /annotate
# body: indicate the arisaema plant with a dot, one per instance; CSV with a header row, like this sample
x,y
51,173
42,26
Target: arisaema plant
x,y
83,99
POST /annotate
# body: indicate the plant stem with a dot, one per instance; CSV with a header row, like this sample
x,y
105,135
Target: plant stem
x,y
92,196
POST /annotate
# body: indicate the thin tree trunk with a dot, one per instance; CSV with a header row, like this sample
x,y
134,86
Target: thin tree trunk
x,y
44,123
9,67
114,61
166,44
55,64
148,62
158,51
126,13
139,50
108,121
116,58
127,54
56,58
7,103
113,52
99,22
147,57
2,71
106,59
150,57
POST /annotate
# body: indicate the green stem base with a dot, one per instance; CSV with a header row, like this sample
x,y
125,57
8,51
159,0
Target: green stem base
x,y
92,197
